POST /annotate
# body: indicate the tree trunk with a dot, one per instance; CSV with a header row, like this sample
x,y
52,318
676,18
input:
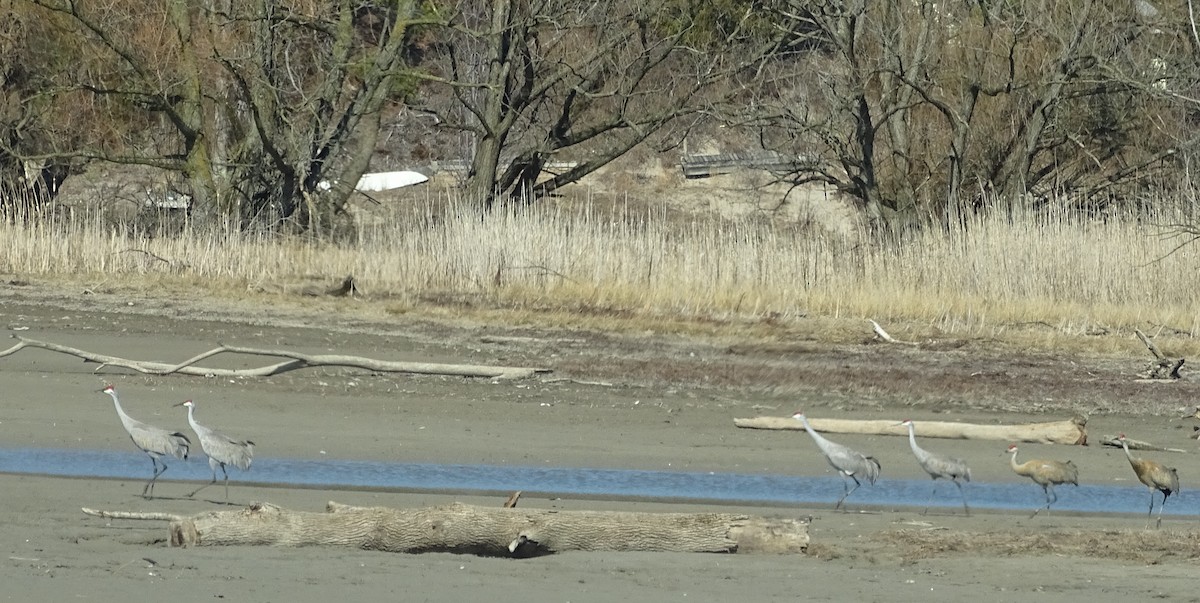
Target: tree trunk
x,y
485,166
460,528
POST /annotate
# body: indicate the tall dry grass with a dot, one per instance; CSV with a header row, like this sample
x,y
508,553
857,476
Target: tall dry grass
x,y
985,274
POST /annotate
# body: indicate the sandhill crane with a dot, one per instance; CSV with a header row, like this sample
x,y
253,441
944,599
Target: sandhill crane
x,y
221,449
1155,475
939,466
155,442
848,462
1046,474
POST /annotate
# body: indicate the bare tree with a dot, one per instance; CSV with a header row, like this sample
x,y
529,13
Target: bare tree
x,y
23,182
254,104
538,80
916,106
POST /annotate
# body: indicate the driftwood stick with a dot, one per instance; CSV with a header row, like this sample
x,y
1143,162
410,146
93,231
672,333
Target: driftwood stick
x,y
880,333
1149,343
512,500
193,360
1072,432
470,529
464,370
503,339
134,515
1111,440
296,360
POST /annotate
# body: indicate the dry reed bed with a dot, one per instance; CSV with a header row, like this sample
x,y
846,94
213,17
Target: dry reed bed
x,y
981,275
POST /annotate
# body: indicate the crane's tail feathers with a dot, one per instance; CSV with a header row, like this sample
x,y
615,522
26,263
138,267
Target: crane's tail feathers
x,y
180,446
873,469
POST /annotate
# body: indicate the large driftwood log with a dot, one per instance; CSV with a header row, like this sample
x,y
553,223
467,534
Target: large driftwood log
x,y
297,361
461,528
1071,432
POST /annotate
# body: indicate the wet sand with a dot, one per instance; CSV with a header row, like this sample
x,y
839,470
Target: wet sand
x,y
54,552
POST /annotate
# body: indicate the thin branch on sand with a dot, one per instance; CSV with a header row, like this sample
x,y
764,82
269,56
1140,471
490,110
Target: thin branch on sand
x,y
295,361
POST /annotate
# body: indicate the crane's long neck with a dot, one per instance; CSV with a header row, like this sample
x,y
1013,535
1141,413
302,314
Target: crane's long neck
x,y
1013,461
912,437
812,432
120,411
192,418
1128,455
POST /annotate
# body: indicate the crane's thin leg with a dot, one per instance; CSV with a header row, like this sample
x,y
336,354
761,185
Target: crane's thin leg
x,y
847,489
148,489
1051,497
226,474
154,474
214,480
1158,524
931,493
966,509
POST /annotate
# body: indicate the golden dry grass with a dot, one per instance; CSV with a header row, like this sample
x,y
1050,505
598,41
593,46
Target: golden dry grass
x,y
1017,275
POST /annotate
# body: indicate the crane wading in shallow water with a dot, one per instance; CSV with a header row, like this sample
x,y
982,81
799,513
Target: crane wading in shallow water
x,y
1046,474
221,449
1155,475
848,462
155,442
939,466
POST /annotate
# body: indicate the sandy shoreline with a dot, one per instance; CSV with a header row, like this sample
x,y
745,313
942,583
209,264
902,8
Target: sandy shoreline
x,y
56,553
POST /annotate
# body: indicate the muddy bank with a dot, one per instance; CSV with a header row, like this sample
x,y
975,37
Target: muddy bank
x,y
673,410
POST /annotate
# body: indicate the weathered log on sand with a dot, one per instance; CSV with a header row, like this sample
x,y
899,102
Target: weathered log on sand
x,y
1073,431
461,528
1112,440
296,361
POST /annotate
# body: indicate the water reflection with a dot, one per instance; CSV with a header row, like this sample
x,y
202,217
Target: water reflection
x,y
720,487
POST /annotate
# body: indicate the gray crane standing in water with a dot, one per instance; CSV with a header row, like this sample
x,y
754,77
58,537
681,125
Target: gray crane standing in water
x,y
939,466
155,442
1046,474
849,462
221,449
1155,476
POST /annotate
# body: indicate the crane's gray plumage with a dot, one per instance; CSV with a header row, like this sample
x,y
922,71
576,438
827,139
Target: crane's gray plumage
x,y
1046,474
155,442
939,466
221,449
848,462
1155,476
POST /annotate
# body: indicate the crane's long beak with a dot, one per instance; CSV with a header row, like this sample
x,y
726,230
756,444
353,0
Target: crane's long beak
x,y
180,404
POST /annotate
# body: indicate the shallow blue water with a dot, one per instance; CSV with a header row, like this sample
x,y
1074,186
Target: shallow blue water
x,y
722,487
